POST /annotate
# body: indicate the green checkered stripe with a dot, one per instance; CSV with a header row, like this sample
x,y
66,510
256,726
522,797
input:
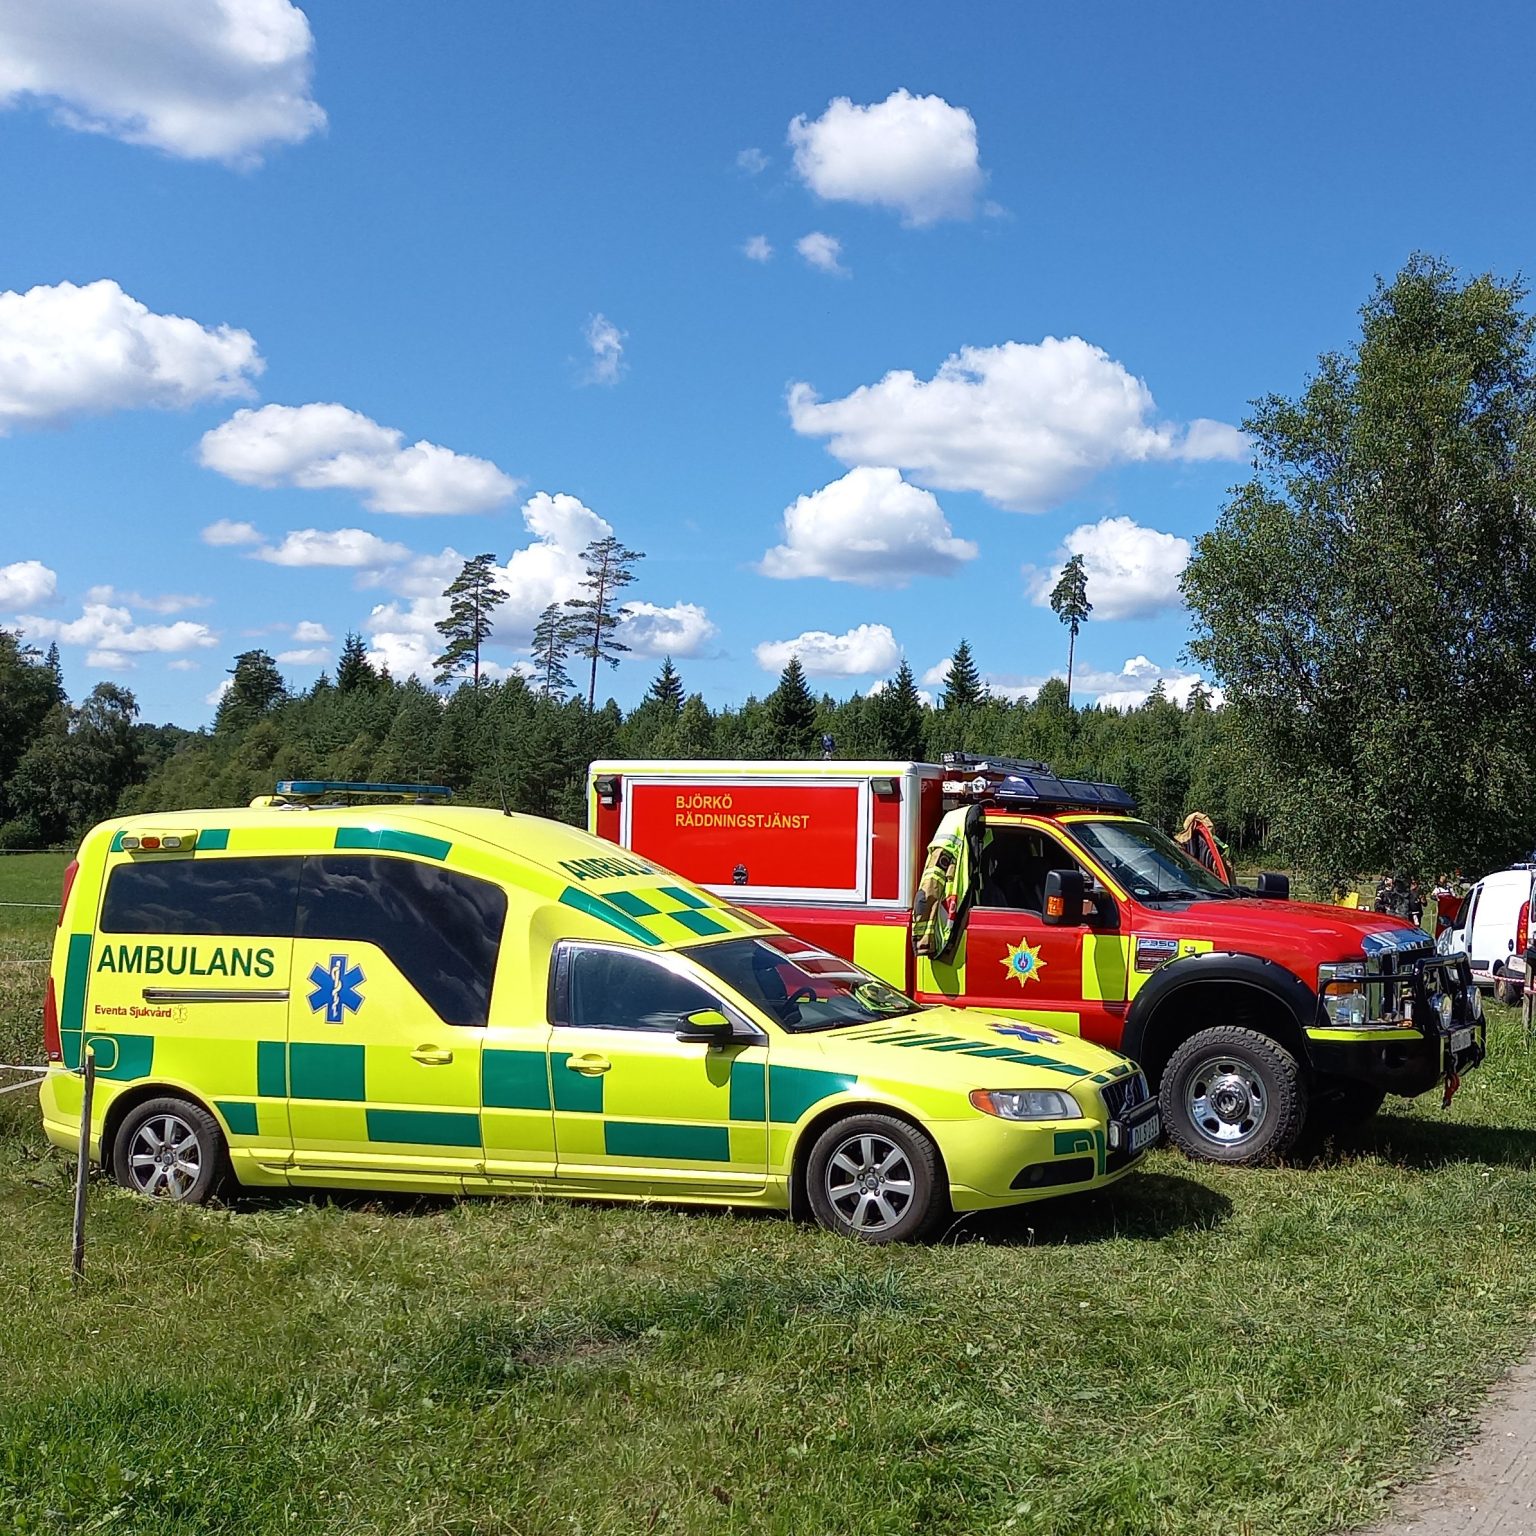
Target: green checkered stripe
x,y
664,914
957,1045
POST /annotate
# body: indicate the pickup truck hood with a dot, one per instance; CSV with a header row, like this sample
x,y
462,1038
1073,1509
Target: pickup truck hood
x,y
1300,934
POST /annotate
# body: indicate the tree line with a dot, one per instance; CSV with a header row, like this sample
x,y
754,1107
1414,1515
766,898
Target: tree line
x,y
1367,601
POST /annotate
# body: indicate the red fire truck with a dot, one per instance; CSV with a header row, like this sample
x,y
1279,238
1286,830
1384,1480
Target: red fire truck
x,y
1250,1012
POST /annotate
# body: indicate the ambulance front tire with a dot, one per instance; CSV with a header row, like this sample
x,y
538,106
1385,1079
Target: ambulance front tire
x,y
877,1179
170,1148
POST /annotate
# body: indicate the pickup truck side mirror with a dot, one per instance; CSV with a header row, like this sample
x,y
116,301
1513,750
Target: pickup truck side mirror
x,y
1275,887
706,1027
1065,893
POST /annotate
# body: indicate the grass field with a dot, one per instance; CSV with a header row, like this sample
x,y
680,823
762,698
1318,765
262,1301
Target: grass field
x,y
1224,1352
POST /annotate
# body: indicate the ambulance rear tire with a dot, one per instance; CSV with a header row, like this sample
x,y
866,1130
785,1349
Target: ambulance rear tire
x,y
1507,991
876,1179
170,1149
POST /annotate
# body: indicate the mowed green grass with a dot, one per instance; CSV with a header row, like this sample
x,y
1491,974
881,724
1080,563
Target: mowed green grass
x,y
1225,1352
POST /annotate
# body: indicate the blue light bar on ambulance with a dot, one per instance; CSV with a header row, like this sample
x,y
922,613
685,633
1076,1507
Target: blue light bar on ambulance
x,y
1005,781
311,789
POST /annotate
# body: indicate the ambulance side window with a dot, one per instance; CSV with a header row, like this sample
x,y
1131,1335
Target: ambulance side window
x,y
253,898
601,988
441,929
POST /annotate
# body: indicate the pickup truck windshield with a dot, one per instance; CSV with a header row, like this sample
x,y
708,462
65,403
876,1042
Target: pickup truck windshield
x,y
800,987
1149,865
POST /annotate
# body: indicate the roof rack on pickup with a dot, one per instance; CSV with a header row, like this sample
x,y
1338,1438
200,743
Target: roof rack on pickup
x,y
1021,782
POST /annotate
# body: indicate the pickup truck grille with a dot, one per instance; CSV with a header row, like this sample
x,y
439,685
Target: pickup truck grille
x,y
1124,1094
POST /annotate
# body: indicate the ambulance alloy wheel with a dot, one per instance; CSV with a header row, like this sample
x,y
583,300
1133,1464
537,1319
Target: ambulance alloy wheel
x,y
877,1179
1232,1095
171,1149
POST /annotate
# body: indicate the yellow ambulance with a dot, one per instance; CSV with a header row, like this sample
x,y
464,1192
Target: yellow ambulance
x,y
359,986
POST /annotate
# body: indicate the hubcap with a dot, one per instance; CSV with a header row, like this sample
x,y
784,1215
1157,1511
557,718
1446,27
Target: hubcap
x,y
1226,1101
869,1182
164,1158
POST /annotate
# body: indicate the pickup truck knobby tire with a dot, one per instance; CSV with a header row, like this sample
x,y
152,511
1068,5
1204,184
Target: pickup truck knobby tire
x,y
877,1179
1508,991
1231,1095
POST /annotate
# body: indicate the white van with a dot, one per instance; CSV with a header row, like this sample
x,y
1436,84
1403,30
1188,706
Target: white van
x,y
1492,926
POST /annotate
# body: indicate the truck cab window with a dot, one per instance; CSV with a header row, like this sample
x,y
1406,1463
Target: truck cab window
x,y
1013,868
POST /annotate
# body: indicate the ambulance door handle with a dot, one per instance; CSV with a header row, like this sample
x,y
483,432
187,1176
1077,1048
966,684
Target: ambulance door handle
x,y
589,1063
431,1056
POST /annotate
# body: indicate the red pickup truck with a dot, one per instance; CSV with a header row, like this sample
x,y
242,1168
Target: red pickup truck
x,y
1250,1012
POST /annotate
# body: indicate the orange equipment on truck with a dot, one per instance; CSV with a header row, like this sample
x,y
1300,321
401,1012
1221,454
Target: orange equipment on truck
x,y
1064,911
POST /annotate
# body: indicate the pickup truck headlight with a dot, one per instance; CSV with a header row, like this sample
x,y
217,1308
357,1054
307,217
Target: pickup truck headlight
x,y
1026,1104
1342,989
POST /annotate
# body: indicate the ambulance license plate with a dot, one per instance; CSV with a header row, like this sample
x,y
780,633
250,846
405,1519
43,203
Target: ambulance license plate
x,y
1461,1041
1142,1136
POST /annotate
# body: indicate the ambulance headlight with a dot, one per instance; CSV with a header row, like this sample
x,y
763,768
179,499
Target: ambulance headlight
x,y
1026,1104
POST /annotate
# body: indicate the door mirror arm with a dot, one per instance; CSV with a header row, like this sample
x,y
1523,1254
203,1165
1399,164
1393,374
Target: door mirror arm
x,y
706,1026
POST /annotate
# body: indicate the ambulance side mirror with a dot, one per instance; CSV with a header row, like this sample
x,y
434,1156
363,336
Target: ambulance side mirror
x,y
706,1027
1065,893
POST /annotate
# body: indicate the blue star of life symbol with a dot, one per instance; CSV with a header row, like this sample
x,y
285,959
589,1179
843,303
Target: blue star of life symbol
x,y
1029,1032
336,988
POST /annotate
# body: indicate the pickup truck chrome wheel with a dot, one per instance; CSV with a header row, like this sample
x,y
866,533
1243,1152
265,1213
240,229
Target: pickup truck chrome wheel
x,y
1226,1099
875,1178
169,1149
1233,1095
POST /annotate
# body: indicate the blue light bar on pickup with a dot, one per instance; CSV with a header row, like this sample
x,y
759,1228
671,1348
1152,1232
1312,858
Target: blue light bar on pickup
x,y
1016,782
308,789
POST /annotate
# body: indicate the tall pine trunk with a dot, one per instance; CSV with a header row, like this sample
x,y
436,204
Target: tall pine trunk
x,y
1071,647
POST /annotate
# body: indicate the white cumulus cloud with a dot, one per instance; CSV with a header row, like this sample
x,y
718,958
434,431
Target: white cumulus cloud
x,y
24,582
824,252
1127,688
163,602
308,632
869,527
915,154
753,161
1133,572
605,341
103,627
200,79
862,650
337,547
757,248
1025,424
308,656
72,350
684,629
229,534
329,447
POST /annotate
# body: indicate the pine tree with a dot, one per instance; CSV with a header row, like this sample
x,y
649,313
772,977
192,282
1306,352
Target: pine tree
x,y
900,716
595,618
963,688
473,598
1069,602
792,713
353,670
256,689
552,639
666,691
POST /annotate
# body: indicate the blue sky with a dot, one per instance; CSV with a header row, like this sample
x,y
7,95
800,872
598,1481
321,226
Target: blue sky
x,y
521,234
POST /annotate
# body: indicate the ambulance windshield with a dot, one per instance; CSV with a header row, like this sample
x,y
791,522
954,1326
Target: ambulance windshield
x,y
800,987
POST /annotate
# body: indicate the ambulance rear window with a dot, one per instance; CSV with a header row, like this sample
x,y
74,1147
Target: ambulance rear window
x,y
441,929
251,898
